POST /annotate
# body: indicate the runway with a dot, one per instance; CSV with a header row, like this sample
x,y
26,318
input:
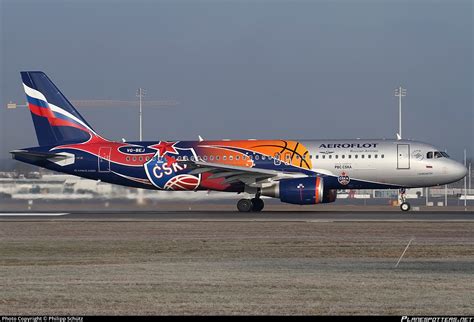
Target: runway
x,y
229,216
226,262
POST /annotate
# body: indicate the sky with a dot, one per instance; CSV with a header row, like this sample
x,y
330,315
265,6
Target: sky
x,y
248,69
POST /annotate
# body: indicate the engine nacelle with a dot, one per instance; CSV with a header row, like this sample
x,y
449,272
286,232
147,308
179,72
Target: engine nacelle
x,y
300,191
329,195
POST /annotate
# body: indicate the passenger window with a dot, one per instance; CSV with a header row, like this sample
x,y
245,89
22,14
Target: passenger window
x,y
375,156
337,156
356,156
324,157
330,156
317,156
382,156
343,156
369,156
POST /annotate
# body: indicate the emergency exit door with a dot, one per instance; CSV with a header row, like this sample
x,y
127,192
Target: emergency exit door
x,y
403,156
104,159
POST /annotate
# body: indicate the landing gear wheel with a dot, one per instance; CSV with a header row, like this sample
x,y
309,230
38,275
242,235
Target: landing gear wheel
x,y
244,205
405,206
257,204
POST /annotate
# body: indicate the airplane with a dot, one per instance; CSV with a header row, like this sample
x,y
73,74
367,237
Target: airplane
x,y
304,172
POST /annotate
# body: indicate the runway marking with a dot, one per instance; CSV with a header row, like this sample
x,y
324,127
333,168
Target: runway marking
x,y
21,214
404,252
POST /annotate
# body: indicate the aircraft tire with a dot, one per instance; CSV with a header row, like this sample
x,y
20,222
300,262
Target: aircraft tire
x,y
245,205
405,206
258,204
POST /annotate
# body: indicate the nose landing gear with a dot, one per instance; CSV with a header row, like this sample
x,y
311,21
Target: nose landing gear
x,y
404,205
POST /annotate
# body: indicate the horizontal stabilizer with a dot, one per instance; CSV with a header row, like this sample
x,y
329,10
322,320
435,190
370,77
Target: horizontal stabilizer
x,y
36,155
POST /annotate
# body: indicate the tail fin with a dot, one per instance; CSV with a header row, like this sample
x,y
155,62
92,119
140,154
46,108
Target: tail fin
x,y
56,120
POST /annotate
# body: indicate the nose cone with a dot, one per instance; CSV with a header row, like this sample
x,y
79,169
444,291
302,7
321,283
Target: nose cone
x,y
458,171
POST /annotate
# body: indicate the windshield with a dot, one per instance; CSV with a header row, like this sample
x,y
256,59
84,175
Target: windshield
x,y
436,155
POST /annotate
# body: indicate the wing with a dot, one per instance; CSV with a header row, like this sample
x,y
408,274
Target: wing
x,y
254,177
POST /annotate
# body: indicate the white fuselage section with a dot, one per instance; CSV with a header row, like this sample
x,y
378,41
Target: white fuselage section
x,y
394,162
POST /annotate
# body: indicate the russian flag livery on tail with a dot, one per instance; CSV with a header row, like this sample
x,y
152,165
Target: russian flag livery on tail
x,y
300,172
54,117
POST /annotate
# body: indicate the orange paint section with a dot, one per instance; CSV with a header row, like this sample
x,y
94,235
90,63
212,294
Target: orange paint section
x,y
317,190
291,152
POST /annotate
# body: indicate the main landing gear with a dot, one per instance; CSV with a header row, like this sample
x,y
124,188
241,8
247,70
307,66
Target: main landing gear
x,y
404,205
247,205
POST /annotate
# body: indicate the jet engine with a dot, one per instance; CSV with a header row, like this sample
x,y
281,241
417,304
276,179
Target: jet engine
x,y
301,191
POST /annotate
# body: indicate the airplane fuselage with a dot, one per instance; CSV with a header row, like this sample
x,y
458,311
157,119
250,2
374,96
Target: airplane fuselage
x,y
298,172
344,164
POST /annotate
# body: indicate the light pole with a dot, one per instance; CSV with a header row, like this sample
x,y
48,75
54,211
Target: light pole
x,y
465,183
400,92
469,178
140,93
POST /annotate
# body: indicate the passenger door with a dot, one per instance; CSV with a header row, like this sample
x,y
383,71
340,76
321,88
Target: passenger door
x,y
403,156
104,159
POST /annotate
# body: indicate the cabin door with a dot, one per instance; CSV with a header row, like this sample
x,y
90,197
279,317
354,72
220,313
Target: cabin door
x,y
403,156
104,159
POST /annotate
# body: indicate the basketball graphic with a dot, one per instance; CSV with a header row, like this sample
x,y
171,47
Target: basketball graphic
x,y
290,152
182,182
164,172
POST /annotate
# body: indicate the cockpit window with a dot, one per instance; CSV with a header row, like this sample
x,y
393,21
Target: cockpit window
x,y
436,155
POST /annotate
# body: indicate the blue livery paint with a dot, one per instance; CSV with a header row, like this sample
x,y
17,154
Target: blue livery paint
x,y
301,191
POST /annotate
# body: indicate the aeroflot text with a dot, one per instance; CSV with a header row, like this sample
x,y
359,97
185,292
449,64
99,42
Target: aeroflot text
x,y
347,145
